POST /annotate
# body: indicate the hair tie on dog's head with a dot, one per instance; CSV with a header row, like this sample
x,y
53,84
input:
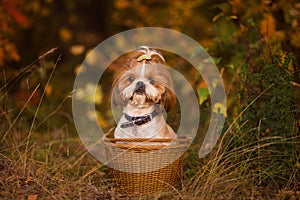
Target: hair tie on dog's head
x,y
147,54
144,57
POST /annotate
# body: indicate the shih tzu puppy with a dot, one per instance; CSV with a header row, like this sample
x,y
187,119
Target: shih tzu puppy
x,y
144,89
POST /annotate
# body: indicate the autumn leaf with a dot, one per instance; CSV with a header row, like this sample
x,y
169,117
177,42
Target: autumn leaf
x,y
48,90
11,50
2,56
122,4
267,26
77,49
220,108
88,94
8,51
295,39
102,122
12,8
32,197
65,34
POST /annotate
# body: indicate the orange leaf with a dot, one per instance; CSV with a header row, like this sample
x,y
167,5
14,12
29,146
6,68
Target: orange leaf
x,y
267,26
48,90
32,197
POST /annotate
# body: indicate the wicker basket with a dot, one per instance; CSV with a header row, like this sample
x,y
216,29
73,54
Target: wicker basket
x,y
146,168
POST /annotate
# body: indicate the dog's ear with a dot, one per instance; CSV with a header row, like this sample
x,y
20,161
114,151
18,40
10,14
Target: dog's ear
x,y
168,99
116,96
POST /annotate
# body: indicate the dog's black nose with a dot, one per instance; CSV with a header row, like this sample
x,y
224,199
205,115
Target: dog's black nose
x,y
140,87
140,84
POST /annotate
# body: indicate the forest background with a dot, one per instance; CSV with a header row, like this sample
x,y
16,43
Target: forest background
x,y
255,44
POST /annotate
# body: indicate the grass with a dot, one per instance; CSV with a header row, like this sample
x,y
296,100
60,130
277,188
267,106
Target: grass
x,y
52,163
52,168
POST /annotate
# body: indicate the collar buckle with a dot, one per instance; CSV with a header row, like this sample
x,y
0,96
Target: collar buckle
x,y
142,119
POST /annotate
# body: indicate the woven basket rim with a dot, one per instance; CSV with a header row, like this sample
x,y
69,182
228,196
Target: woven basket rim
x,y
143,143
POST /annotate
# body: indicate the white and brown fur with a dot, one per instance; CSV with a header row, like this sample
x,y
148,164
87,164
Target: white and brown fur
x,y
140,87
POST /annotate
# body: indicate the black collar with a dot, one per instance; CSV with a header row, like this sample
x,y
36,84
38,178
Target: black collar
x,y
139,120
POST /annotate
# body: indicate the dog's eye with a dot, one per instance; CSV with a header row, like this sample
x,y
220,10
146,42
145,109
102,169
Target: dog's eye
x,y
131,79
151,81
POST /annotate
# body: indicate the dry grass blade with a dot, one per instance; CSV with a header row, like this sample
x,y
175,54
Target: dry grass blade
x,y
19,114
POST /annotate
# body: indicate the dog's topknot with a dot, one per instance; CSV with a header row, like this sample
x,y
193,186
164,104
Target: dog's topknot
x,y
148,54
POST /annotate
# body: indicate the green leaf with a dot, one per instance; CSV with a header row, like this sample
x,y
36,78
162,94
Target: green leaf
x,y
197,50
217,60
224,7
203,94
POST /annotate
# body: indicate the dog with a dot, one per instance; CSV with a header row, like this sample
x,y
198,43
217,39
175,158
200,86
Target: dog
x,y
144,89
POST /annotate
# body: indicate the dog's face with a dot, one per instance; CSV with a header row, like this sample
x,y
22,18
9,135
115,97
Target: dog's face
x,y
143,84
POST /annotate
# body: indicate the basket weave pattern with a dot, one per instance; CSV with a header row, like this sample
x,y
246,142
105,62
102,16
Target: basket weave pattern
x,y
143,169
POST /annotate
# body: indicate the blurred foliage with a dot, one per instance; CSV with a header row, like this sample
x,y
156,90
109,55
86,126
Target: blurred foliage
x,y
11,18
237,34
255,44
275,111
190,17
260,54
249,34
246,32
271,120
31,28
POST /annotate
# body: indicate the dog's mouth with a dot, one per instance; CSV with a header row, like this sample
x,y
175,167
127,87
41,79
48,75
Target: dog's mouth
x,y
140,96
140,92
